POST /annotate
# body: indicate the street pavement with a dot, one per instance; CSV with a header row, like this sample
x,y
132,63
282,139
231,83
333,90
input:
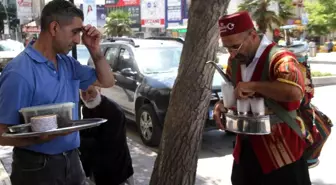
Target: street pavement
x,y
324,62
215,159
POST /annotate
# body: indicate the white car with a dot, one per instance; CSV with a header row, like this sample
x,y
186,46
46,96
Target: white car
x,y
9,49
83,54
11,45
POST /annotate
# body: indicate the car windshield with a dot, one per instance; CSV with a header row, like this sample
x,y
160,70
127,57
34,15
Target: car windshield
x,y
83,54
11,45
3,47
158,60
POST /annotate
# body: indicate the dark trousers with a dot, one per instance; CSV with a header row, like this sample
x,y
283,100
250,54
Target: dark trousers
x,y
249,172
31,168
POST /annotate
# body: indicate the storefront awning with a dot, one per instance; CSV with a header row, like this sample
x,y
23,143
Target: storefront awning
x,y
31,29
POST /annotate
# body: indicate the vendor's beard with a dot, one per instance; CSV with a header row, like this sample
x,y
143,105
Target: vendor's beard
x,y
243,59
93,103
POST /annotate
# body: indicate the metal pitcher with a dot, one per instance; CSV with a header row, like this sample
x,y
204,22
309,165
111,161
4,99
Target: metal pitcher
x,y
220,71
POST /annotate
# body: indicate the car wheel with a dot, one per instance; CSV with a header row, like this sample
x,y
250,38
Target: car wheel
x,y
148,124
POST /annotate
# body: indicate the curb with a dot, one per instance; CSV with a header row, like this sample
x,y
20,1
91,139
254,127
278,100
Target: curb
x,y
322,62
324,81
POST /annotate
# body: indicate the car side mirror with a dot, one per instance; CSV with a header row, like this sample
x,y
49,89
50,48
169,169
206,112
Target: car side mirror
x,y
128,72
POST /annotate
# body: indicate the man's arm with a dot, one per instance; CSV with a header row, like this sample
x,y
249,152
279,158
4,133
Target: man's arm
x,y
15,93
22,142
288,86
279,90
105,76
289,83
91,39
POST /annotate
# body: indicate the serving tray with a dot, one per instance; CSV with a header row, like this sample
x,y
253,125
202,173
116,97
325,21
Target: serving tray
x,y
73,125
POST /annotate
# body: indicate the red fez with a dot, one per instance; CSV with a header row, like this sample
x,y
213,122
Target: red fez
x,y
235,23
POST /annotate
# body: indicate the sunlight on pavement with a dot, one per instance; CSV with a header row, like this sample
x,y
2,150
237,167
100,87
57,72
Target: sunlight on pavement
x,y
324,173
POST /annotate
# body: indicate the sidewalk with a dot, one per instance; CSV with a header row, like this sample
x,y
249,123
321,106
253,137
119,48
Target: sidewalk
x,y
5,165
324,58
143,161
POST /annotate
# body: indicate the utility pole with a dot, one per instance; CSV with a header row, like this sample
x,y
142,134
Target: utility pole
x,y
74,48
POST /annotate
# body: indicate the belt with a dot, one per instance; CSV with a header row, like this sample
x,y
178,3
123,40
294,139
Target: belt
x,y
29,152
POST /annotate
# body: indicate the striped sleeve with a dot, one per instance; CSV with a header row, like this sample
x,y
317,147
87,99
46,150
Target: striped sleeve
x,y
286,69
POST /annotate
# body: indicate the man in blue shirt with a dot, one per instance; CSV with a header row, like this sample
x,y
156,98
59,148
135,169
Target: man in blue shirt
x,y
44,74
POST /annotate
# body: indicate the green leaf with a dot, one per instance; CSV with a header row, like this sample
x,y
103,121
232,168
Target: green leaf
x,y
264,17
118,23
322,17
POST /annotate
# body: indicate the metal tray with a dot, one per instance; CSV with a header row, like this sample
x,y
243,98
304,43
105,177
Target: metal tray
x,y
74,125
248,125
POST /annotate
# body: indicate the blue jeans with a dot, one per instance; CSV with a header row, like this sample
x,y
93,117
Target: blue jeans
x,y
31,168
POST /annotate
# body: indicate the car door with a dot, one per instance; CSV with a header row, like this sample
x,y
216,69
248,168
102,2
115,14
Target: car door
x,y
126,76
111,53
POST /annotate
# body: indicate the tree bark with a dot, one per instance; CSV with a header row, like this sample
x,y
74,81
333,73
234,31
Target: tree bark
x,y
178,154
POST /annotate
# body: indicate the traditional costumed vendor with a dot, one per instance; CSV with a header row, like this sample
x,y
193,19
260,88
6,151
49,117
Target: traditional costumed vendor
x,y
257,68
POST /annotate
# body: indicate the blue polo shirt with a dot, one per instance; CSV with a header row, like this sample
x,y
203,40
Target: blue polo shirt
x,y
31,80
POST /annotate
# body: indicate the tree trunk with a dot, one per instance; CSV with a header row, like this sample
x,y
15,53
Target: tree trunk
x,y
178,154
262,26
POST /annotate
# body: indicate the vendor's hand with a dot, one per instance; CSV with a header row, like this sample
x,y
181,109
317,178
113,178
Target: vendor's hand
x,y
244,90
91,38
218,110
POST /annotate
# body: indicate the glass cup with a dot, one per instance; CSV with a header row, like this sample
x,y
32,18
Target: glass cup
x,y
243,106
257,106
229,99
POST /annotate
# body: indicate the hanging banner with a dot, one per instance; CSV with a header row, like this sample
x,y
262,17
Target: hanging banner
x,y
24,11
101,15
90,12
174,11
153,13
186,9
121,3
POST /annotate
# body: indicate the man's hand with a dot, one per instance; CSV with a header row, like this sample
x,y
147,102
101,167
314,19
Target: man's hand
x,y
91,38
218,110
244,90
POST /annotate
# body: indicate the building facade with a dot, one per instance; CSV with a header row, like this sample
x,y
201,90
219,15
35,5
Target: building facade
x,y
131,6
9,22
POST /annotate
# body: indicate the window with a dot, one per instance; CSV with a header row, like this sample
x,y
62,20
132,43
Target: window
x,y
111,56
124,54
162,59
125,60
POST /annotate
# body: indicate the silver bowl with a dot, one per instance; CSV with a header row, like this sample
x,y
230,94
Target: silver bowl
x,y
248,124
21,128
